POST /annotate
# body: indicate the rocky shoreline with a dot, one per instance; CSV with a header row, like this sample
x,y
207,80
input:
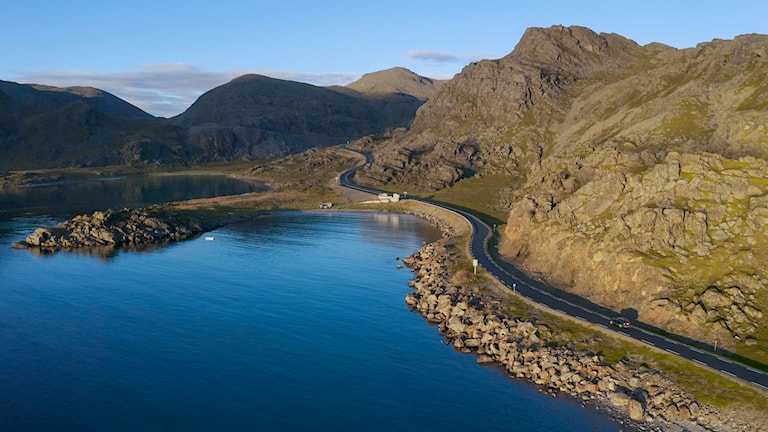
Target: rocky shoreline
x,y
115,228
475,322
471,321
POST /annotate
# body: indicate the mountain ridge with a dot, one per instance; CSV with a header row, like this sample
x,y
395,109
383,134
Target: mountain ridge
x,y
48,98
251,117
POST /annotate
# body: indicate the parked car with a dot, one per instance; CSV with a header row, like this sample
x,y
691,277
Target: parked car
x,y
620,322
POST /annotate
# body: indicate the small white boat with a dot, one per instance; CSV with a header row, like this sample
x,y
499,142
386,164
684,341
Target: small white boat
x,y
210,238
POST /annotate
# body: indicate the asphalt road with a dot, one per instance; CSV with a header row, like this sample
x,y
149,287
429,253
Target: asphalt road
x,y
481,234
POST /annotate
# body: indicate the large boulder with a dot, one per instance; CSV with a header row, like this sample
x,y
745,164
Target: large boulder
x,y
635,410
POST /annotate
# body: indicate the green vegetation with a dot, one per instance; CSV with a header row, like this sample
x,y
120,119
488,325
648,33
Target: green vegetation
x,y
702,383
465,194
462,271
689,120
42,176
758,99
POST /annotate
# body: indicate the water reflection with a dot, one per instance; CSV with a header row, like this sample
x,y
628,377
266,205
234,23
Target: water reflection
x,y
401,223
107,252
71,198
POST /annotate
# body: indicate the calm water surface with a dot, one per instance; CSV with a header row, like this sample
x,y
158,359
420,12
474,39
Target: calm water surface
x,y
130,191
295,321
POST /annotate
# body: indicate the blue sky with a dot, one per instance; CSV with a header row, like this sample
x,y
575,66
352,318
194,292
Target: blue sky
x,y
161,55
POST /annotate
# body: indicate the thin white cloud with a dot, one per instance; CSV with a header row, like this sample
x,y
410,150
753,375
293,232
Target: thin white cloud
x,y
442,58
168,89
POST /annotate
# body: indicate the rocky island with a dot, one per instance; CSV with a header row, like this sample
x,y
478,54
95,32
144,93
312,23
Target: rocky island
x,y
114,228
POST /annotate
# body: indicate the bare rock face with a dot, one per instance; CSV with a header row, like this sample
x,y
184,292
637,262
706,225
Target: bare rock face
x,y
644,240
468,124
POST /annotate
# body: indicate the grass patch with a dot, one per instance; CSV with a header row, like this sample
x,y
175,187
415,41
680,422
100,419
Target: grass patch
x,y
465,194
702,383
688,120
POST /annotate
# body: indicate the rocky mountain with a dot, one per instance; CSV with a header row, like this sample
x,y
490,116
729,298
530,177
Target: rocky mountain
x,y
42,98
397,81
251,117
641,168
43,126
255,117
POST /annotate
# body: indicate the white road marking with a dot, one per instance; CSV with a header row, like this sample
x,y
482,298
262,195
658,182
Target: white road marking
x,y
648,342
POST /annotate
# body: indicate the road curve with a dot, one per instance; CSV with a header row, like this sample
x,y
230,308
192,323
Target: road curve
x,y
520,285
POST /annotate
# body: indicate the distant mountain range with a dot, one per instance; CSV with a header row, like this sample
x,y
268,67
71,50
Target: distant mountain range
x,y
251,117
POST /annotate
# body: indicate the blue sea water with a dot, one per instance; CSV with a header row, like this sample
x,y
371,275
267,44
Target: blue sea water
x,y
293,321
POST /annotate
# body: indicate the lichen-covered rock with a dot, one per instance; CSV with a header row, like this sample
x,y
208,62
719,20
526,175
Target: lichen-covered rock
x,y
643,239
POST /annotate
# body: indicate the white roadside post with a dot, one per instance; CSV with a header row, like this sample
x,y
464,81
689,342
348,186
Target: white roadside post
x,y
474,265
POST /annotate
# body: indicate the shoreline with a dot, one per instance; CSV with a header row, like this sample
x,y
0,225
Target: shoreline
x,y
474,322
122,228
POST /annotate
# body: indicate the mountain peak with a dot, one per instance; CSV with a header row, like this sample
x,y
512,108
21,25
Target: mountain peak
x,y
45,98
574,48
86,92
396,80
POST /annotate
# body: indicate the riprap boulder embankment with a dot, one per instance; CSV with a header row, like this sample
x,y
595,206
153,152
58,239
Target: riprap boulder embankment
x,y
475,322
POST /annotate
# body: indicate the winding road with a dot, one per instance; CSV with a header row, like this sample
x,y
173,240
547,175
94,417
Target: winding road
x,y
523,286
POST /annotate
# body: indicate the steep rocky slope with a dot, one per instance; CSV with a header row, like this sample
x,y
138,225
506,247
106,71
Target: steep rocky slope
x,y
637,174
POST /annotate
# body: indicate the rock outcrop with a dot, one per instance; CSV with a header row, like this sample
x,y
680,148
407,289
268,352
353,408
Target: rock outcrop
x,y
113,228
475,322
648,239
